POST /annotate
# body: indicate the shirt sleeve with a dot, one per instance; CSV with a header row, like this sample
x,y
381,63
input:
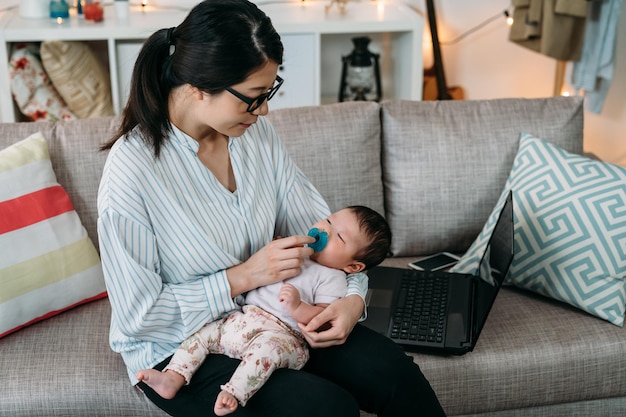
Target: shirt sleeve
x,y
143,304
357,285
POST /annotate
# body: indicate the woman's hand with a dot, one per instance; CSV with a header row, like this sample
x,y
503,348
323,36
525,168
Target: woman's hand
x,y
342,315
277,261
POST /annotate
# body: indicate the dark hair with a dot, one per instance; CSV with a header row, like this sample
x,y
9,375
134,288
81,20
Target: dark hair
x,y
219,44
376,228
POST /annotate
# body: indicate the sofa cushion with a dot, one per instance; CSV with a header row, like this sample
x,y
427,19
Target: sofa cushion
x,y
570,229
67,368
48,264
338,147
445,163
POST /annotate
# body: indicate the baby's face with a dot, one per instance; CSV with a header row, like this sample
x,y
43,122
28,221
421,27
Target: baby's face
x,y
345,239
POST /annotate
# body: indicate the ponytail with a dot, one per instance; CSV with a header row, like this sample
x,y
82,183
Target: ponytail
x,y
147,101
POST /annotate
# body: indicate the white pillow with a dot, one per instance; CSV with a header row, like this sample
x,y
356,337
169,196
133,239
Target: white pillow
x,y
31,88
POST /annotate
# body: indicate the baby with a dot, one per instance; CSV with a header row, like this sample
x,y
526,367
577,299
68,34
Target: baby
x,y
265,334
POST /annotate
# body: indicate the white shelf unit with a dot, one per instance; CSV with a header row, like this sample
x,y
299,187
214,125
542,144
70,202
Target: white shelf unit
x,y
315,41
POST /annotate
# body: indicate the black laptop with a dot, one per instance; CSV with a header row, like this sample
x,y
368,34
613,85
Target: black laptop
x,y
438,310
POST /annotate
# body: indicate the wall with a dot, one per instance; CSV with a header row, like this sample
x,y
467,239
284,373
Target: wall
x,y
488,66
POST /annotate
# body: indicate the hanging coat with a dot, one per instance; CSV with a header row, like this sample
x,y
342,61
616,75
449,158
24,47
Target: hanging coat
x,y
593,73
552,27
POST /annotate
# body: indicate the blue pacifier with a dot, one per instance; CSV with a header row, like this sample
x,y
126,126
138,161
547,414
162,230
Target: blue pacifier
x,y
321,239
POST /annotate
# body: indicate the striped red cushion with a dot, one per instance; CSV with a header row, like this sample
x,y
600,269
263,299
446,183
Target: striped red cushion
x,y
48,264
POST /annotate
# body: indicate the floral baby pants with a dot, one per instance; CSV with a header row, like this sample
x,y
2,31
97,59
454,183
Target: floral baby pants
x,y
260,340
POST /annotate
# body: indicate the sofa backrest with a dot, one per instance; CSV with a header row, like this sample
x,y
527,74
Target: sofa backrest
x,y
76,159
445,163
338,147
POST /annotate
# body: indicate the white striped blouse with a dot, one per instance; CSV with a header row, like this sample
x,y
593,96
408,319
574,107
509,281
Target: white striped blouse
x,y
168,230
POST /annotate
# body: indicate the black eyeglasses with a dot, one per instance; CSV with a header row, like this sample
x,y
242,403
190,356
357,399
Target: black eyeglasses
x,y
255,103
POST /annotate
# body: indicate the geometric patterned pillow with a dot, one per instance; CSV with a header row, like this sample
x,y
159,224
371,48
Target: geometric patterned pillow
x,y
48,264
570,229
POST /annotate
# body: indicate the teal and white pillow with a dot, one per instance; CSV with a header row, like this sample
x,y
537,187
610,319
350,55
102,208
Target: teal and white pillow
x,y
570,229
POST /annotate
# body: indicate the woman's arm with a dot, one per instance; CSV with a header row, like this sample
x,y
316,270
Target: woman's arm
x,y
129,250
333,326
144,305
342,315
277,261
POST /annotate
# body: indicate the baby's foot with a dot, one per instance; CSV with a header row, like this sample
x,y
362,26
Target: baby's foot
x,y
166,384
225,404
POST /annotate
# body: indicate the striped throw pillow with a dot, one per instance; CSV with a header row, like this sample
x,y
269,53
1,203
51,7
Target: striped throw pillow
x,y
570,229
48,264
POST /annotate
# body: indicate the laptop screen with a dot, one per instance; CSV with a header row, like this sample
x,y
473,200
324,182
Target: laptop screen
x,y
494,265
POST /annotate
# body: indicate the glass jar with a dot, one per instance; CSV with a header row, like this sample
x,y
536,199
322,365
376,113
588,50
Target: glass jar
x,y
59,8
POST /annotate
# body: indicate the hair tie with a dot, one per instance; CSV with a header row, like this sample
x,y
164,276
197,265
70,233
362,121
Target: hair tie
x,y
170,40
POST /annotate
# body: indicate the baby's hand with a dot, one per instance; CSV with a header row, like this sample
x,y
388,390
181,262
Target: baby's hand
x,y
290,296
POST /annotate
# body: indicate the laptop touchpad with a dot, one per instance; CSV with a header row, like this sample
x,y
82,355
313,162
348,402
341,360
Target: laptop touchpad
x,y
379,298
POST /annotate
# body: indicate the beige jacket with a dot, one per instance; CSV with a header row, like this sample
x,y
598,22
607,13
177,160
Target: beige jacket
x,y
552,27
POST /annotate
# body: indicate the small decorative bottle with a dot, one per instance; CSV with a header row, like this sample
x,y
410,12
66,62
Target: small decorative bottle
x,y
59,8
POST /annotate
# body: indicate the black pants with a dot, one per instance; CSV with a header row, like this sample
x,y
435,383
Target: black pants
x,y
368,372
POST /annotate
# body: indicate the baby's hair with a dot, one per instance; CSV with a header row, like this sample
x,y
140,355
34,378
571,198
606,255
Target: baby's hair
x,y
376,228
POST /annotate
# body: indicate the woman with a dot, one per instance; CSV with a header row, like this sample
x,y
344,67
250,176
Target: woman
x,y
191,198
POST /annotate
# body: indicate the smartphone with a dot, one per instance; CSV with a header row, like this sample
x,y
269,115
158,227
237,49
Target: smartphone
x,y
435,262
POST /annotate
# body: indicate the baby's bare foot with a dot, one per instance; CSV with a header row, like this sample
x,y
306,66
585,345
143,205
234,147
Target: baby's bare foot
x,y
225,404
166,384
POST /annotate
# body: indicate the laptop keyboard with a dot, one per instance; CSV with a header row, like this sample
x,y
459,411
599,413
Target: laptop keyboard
x,y
421,313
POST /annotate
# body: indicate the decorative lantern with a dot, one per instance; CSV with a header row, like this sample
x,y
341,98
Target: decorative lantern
x,y
360,75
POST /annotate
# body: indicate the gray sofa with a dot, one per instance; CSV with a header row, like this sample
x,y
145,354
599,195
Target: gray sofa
x,y
436,170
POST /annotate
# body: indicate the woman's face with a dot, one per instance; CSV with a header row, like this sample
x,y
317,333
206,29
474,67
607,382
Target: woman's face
x,y
345,239
227,114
